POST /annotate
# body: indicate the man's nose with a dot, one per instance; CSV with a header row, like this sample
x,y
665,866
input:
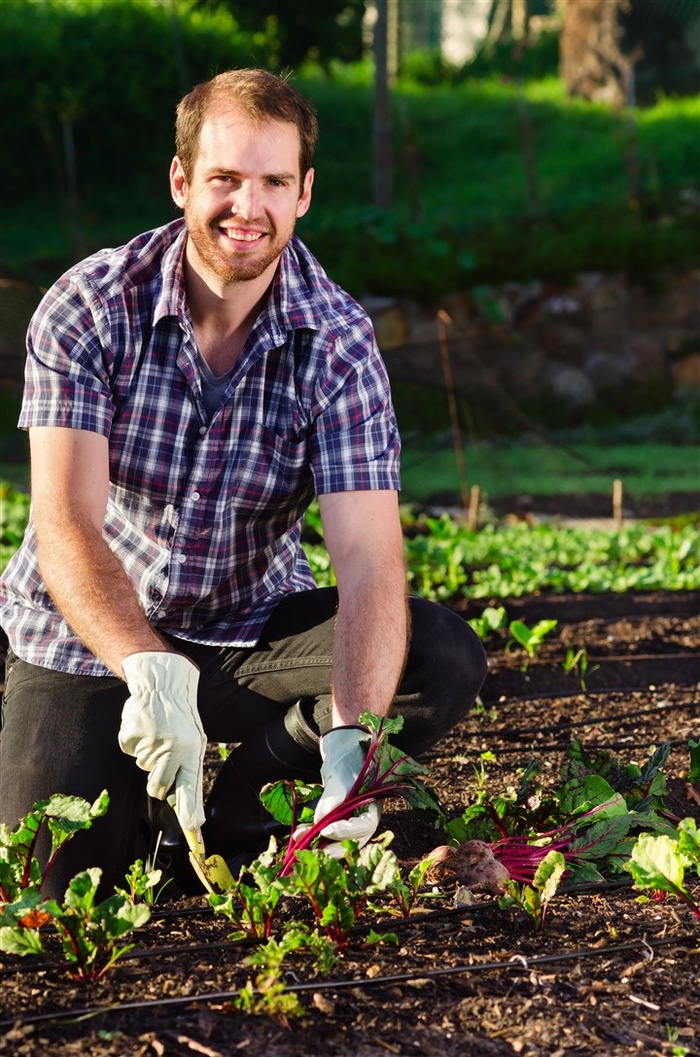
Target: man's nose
x,y
246,201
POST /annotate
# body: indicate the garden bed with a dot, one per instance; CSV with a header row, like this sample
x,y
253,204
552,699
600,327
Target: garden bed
x,y
607,975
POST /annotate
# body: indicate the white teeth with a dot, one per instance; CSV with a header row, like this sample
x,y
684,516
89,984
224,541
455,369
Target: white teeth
x,y
238,237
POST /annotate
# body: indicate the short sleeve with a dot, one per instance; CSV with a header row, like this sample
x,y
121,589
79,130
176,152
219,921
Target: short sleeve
x,y
355,444
66,382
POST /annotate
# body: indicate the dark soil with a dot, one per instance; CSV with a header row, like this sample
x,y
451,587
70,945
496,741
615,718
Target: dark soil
x,y
608,976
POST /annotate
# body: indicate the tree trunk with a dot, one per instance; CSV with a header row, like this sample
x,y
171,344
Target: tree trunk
x,y
382,168
591,62
500,21
519,18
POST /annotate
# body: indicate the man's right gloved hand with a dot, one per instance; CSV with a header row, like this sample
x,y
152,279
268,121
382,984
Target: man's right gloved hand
x,y
162,729
343,754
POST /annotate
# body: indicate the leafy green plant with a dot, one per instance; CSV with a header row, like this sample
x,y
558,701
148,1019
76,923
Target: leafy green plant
x,y
404,893
480,769
143,879
267,993
577,661
509,561
338,890
14,514
251,903
589,818
533,898
437,566
659,862
530,638
591,836
141,883
64,816
90,932
643,786
678,1049
492,619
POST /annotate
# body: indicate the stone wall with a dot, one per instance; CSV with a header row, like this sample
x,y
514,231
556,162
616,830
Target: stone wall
x,y
602,340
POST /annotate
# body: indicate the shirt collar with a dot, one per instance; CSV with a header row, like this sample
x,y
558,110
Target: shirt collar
x,y
292,303
171,299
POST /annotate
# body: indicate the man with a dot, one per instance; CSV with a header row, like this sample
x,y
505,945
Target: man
x,y
186,396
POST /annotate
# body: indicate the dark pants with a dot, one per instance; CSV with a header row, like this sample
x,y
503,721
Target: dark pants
x,y
59,731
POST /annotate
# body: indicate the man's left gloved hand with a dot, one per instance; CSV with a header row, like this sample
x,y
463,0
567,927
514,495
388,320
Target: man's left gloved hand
x,y
343,756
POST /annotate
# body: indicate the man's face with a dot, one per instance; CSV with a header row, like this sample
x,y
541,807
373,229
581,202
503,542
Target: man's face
x,y
244,196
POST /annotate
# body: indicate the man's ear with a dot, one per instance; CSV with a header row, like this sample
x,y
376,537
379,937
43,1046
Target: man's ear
x,y
178,183
305,196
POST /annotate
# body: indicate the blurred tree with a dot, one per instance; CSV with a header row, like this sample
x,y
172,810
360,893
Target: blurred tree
x,y
519,18
456,30
382,156
591,60
625,51
511,18
320,30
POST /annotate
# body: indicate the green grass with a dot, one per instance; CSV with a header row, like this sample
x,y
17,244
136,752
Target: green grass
x,y
648,469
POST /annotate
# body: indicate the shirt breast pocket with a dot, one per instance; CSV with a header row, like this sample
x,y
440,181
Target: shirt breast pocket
x,y
271,473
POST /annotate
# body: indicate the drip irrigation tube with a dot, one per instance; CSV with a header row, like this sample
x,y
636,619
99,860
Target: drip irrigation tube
x,y
413,921
617,691
562,746
510,735
601,658
518,963
606,692
382,922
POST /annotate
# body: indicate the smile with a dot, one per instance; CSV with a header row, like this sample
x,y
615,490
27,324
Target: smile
x,y
239,236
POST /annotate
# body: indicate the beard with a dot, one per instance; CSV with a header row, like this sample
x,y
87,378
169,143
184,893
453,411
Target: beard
x,y
219,254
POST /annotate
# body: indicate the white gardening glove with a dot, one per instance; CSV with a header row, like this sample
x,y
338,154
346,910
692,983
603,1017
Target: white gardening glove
x,y
343,757
162,729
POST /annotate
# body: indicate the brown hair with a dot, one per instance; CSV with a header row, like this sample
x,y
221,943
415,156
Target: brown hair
x,y
260,95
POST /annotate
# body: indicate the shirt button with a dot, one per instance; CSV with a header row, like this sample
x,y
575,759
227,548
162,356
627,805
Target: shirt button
x,y
195,497
162,613
180,558
202,430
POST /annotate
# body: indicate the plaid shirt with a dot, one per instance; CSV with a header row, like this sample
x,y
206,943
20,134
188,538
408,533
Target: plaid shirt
x,y
204,513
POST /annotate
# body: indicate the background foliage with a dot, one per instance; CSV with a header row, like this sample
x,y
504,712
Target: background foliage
x,y
106,75
115,72
90,88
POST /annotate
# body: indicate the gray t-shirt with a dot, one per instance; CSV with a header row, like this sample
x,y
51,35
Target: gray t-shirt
x,y
213,386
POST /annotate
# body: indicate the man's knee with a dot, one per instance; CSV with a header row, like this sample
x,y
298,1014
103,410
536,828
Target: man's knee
x,y
445,670
447,646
